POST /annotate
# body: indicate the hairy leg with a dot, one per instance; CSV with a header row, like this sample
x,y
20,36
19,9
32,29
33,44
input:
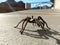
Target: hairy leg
x,y
42,25
21,31
19,23
47,26
23,27
43,22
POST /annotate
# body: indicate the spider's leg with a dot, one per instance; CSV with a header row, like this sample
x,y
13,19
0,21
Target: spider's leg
x,y
18,23
45,23
42,26
47,26
23,28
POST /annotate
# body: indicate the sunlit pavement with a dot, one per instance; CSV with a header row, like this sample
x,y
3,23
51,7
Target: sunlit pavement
x,y
33,35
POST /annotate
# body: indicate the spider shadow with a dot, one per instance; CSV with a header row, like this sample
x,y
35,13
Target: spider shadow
x,y
42,34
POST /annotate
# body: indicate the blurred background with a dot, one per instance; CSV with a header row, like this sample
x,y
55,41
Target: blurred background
x,y
19,5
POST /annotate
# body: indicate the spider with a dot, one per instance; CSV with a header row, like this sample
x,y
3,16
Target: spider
x,y
39,21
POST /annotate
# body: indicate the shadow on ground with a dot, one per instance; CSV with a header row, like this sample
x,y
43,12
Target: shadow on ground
x,y
43,34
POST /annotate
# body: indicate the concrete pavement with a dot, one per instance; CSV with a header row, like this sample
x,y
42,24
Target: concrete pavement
x,y
33,35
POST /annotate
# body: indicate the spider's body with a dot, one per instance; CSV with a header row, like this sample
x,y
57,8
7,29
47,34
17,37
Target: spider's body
x,y
39,21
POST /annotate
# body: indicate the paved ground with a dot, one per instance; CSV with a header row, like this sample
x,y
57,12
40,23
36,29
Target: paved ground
x,y
33,35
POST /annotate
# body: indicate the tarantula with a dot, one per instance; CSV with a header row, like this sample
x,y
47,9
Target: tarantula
x,y
39,21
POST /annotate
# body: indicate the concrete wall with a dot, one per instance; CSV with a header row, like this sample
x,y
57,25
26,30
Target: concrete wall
x,y
57,4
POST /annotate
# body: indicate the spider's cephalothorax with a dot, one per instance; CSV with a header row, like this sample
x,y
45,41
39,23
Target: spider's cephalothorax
x,y
39,21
